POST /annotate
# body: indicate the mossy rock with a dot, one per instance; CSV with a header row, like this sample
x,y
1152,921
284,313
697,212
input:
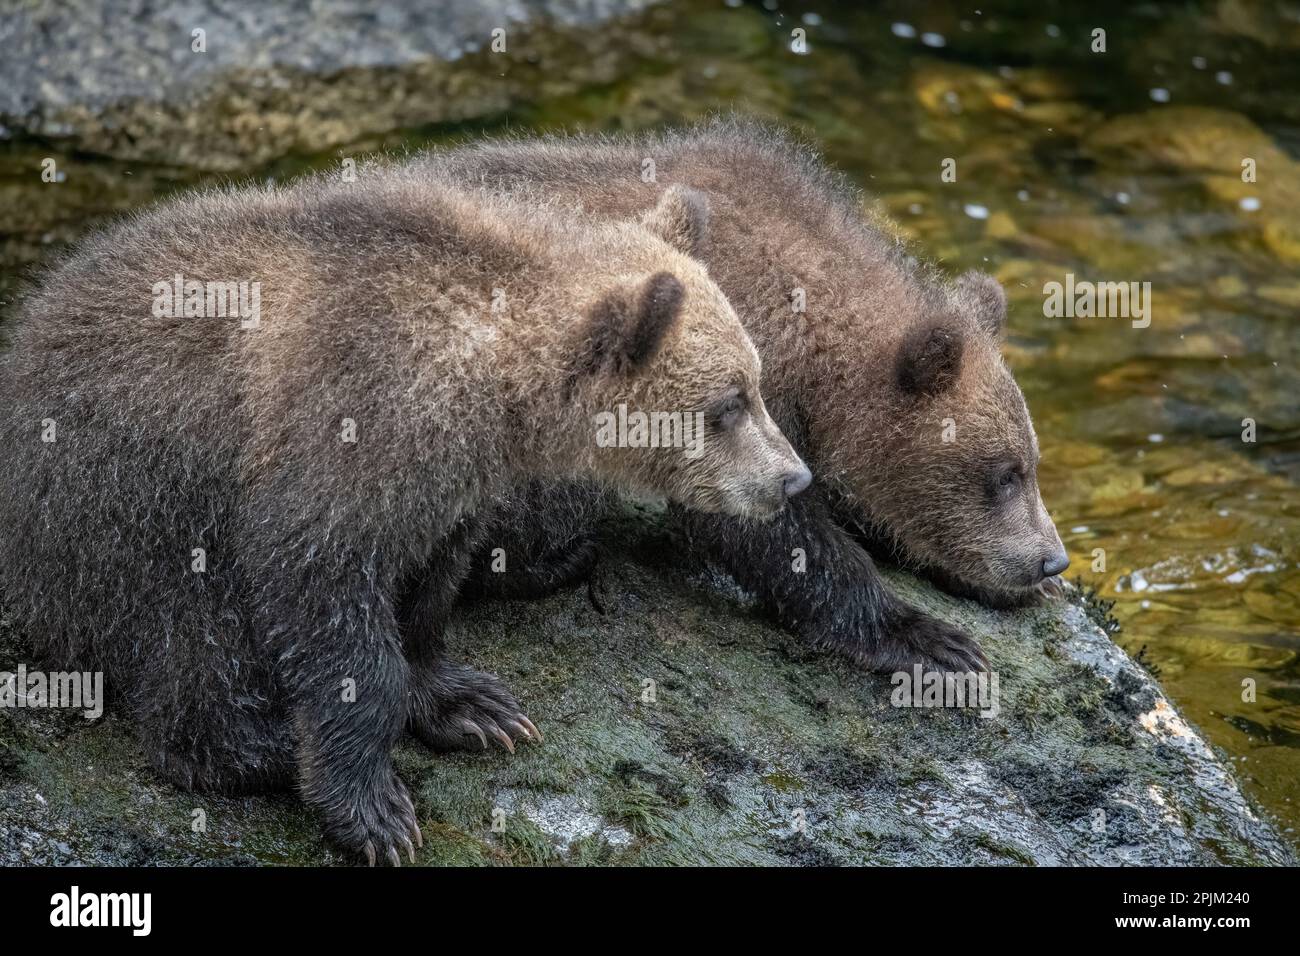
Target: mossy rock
x,y
683,728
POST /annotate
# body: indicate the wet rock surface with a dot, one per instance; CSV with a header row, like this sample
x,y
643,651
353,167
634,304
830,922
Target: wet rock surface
x,y
126,79
682,728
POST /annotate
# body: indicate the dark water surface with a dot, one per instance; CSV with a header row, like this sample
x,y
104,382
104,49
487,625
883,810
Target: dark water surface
x,y
1122,166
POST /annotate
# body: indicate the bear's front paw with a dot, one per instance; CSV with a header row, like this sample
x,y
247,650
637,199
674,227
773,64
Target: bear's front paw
x,y
454,707
912,638
378,821
942,647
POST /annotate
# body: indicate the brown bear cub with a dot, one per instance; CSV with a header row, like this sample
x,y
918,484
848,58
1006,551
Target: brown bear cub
x,y
240,425
887,378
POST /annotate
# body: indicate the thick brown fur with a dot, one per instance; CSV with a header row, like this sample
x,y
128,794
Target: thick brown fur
x,y
465,340
890,382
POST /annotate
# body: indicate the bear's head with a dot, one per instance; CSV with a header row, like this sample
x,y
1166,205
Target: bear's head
x,y
673,378
947,475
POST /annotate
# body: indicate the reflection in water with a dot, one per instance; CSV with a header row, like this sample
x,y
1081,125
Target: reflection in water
x,y
1170,158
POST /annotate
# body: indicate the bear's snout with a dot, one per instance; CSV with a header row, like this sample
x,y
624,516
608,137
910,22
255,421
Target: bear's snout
x,y
796,481
1056,563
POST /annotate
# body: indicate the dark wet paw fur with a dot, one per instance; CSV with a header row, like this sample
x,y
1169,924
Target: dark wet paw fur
x,y
377,821
454,707
912,637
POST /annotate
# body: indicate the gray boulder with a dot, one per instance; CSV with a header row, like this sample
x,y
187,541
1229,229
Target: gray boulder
x,y
123,78
683,728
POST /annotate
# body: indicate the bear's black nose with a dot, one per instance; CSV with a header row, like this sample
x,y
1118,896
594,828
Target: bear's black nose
x,y
1055,564
796,481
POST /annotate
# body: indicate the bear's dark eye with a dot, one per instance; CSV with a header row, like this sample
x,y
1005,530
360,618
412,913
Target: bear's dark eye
x,y
728,410
1007,482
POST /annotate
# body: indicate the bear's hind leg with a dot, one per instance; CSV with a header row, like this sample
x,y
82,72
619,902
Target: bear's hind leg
x,y
235,754
209,714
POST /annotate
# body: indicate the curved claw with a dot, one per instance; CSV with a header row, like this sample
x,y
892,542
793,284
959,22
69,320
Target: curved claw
x,y
529,726
516,730
393,858
410,848
472,728
369,851
502,736
419,838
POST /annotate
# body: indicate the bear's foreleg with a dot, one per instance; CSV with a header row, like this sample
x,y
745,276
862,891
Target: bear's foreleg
x,y
348,683
449,705
821,584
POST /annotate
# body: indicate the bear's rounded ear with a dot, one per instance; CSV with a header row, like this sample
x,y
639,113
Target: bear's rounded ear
x,y
982,296
625,329
681,219
929,360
